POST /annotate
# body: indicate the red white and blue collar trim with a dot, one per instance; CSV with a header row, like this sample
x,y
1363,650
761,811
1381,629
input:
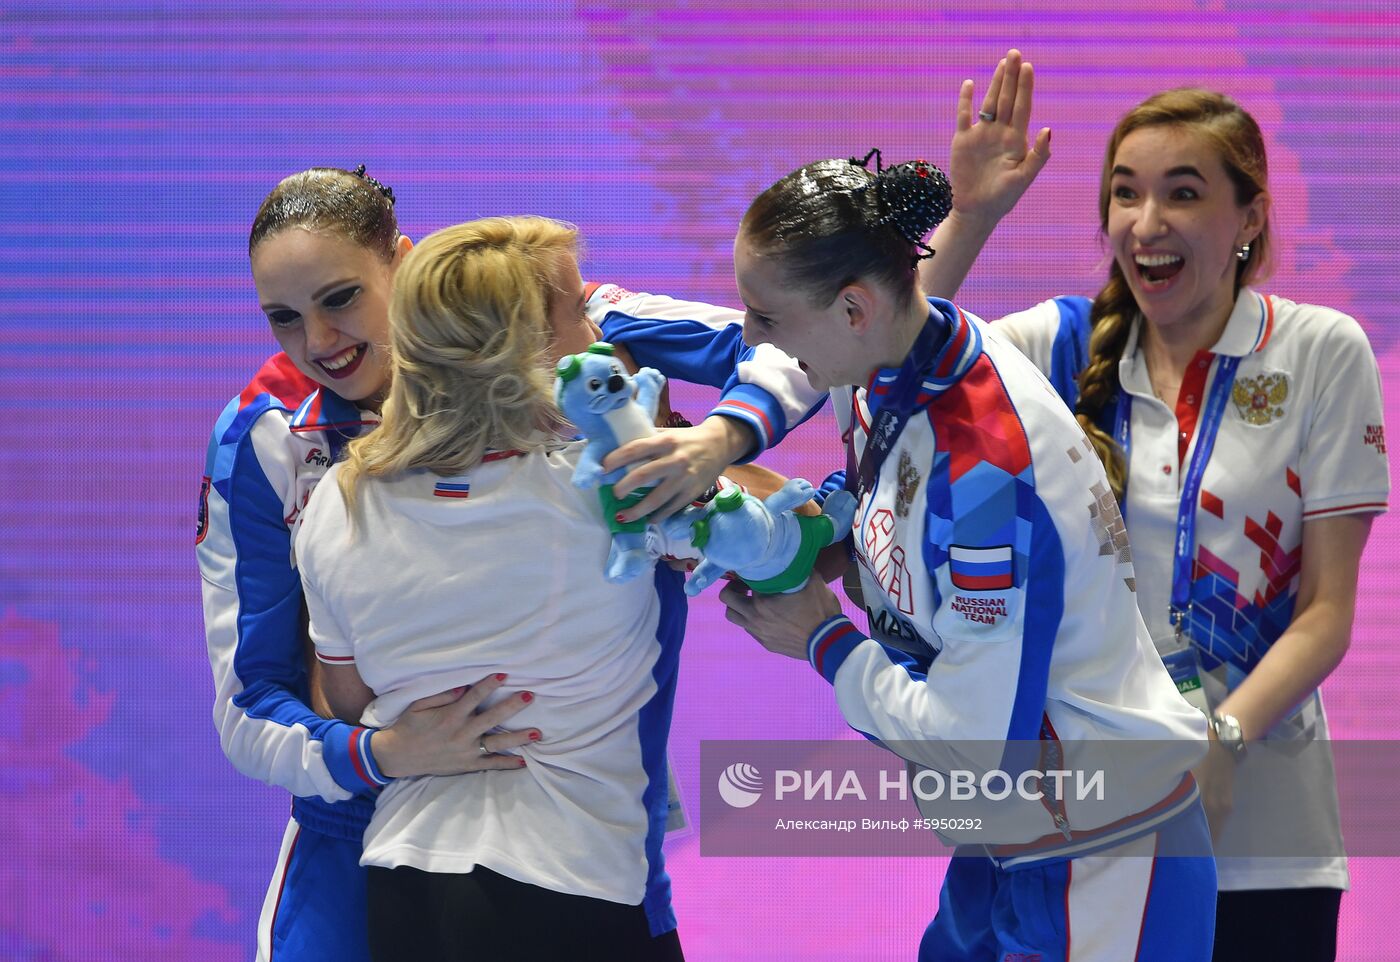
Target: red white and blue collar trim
x,y
325,410
946,366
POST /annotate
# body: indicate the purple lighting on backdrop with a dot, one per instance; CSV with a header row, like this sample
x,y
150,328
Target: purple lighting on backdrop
x,y
135,145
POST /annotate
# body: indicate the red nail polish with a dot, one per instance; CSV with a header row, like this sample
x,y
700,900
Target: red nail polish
x,y
500,676
534,736
619,518
522,763
527,696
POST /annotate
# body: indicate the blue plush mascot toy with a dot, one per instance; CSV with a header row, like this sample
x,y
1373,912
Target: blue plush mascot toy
x,y
595,392
762,541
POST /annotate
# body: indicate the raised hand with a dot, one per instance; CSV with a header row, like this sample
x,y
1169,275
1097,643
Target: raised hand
x,y
991,161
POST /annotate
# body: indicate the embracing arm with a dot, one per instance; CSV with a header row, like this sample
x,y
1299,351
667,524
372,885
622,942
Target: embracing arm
x,y
437,735
253,623
442,734
764,394
254,630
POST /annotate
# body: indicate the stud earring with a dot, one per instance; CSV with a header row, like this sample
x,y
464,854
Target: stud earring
x,y
1243,252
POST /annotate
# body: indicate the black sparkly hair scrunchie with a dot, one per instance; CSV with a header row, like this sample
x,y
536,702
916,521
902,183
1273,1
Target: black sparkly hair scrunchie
x,y
914,197
388,192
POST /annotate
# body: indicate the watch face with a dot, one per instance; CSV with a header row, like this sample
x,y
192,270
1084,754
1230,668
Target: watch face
x,y
1227,731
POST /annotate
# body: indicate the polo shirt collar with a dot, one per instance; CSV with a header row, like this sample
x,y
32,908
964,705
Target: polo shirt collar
x,y
1248,329
1250,326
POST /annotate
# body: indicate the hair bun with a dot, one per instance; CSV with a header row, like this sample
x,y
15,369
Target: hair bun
x,y
388,192
916,196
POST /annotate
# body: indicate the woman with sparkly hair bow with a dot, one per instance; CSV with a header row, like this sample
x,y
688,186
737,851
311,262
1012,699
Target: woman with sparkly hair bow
x,y
1004,625
1243,435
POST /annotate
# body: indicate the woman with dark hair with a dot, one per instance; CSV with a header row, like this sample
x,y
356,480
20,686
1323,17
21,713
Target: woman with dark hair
x,y
992,559
1243,435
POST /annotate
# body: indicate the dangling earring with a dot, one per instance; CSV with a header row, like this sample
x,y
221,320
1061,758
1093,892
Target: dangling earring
x,y
1243,252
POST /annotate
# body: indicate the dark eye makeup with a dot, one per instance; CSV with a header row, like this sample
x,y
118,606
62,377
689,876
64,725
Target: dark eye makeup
x,y
341,297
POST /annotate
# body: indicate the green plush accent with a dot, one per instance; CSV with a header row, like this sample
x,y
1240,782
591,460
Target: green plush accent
x,y
612,505
568,367
817,532
700,533
729,499
602,347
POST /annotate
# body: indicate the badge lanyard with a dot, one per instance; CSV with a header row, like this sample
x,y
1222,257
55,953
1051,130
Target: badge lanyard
x,y
1211,418
888,423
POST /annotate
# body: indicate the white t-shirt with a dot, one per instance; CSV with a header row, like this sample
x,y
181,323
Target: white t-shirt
x,y
443,580
1302,437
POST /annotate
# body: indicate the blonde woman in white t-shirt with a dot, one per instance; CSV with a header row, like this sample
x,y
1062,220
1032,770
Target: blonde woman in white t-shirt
x,y
451,541
1243,436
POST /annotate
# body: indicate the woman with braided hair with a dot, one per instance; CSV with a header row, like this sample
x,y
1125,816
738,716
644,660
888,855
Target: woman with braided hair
x,y
1244,439
1004,631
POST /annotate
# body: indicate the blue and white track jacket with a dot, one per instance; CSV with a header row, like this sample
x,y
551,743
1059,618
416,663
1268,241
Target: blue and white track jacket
x,y
270,447
996,571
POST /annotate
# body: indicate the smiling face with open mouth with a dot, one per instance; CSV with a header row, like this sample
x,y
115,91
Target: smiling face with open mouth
x,y
1175,223
327,300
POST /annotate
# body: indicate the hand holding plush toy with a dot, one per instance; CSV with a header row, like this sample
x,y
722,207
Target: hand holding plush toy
x,y
762,541
595,392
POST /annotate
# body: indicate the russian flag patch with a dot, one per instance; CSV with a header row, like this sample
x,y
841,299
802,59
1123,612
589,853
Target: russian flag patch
x,y
980,569
452,489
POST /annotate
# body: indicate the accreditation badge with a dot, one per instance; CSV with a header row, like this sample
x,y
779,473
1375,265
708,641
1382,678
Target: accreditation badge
x,y
1183,662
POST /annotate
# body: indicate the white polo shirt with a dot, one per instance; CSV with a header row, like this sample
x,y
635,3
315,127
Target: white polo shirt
x,y
444,580
1302,437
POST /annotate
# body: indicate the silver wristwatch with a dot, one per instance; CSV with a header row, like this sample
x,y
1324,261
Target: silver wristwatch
x,y
1228,733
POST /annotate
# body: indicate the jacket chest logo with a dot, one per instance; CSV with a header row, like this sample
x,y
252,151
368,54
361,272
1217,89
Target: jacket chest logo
x,y
886,560
908,479
1260,399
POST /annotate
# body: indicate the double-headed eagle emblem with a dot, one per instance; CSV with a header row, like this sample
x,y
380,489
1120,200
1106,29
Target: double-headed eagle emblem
x,y
1260,399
